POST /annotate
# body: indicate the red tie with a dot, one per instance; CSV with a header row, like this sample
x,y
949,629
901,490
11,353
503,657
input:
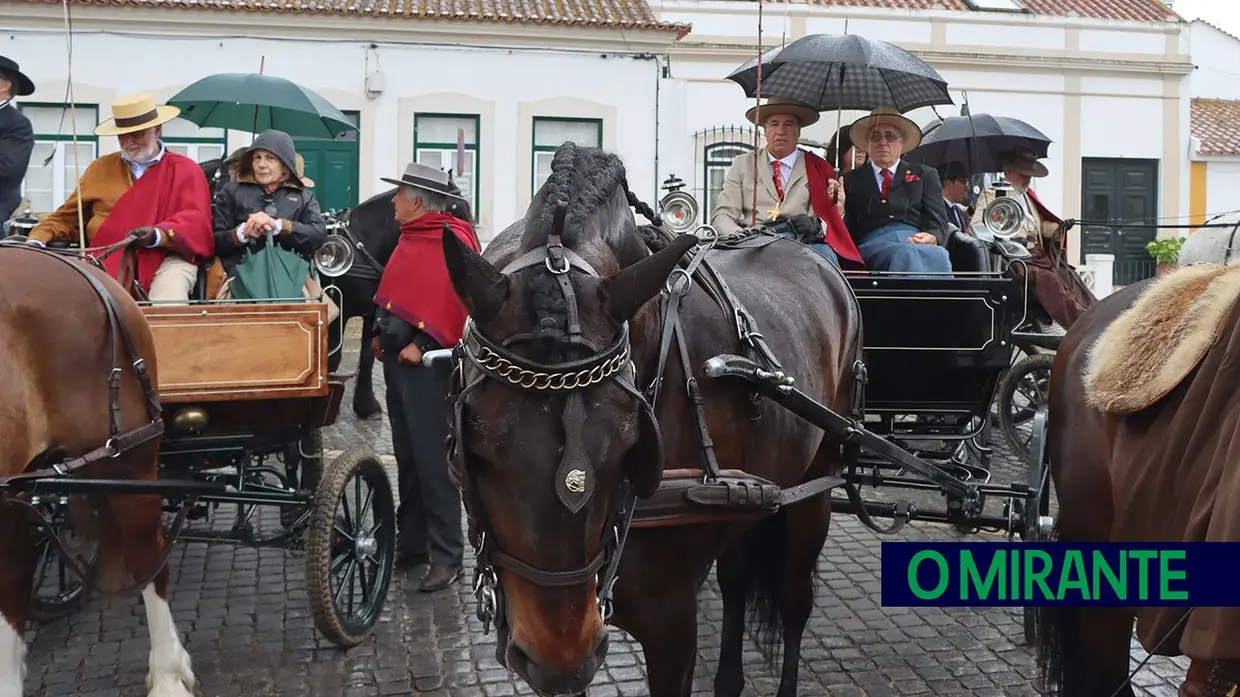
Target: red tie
x,y
886,182
779,184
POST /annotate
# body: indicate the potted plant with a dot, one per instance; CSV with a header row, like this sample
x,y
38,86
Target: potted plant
x,y
1165,250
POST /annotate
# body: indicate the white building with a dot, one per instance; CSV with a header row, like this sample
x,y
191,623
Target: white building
x,y
1215,149
513,86
1106,80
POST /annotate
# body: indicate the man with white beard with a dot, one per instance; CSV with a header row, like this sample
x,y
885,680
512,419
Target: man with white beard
x,y
158,197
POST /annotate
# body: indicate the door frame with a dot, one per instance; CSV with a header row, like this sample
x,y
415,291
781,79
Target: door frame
x,y
1115,205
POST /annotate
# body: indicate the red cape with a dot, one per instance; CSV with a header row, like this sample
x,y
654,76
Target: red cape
x,y
818,172
415,285
173,196
1046,214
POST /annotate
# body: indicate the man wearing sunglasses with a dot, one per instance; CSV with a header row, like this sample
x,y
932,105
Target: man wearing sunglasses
x,y
894,209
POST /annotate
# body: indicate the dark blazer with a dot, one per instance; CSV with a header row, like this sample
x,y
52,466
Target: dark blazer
x,y
918,203
16,143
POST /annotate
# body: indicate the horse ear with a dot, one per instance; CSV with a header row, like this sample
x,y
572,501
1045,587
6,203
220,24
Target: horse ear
x,y
479,285
628,290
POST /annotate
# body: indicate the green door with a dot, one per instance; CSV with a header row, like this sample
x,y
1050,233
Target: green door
x,y
333,165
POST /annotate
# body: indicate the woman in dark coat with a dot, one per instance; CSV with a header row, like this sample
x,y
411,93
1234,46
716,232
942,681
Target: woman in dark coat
x,y
267,196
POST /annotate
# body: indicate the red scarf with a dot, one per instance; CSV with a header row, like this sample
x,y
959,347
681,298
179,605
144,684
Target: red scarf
x,y
173,196
415,285
818,172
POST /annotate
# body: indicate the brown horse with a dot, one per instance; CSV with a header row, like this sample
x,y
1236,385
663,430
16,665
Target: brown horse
x,y
556,439
1132,475
68,332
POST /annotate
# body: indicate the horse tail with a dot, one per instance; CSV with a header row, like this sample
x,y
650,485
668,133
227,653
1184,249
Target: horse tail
x,y
764,584
1054,627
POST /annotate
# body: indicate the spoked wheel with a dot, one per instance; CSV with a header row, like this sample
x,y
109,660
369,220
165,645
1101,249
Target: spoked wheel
x,y
57,591
304,463
350,547
1037,505
1022,392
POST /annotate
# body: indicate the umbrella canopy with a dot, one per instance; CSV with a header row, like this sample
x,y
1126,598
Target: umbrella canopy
x,y
830,72
976,141
228,100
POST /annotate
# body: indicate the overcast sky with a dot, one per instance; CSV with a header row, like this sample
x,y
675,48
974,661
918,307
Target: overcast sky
x,y
1224,14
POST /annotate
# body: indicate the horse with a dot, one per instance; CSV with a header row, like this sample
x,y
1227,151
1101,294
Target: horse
x,y
77,397
554,441
1129,464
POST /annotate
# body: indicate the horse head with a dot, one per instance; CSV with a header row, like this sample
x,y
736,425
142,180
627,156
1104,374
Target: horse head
x,y
553,441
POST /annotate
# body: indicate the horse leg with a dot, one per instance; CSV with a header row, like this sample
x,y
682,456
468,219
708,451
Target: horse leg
x,y
806,529
733,584
139,522
364,403
16,578
666,630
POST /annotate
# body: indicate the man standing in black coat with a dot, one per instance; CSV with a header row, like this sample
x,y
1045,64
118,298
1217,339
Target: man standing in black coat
x,y
894,209
16,137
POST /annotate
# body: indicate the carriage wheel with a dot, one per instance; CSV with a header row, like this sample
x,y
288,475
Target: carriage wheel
x,y
350,547
1036,505
1022,392
57,592
304,472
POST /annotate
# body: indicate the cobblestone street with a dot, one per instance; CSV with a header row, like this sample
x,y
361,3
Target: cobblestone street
x,y
246,622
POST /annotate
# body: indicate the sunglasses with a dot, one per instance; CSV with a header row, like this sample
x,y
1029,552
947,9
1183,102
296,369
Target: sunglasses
x,y
889,136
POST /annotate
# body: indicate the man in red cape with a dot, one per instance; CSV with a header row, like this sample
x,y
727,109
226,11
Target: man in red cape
x,y
144,188
793,185
418,312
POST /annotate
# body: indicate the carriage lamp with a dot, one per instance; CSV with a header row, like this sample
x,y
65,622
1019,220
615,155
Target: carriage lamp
x,y
678,208
190,420
1004,218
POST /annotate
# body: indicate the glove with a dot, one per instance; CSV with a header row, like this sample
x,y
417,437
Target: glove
x,y
1069,223
145,236
807,227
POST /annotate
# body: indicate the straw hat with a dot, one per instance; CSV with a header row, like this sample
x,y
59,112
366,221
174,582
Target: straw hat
x,y
135,112
301,169
1023,161
780,105
860,130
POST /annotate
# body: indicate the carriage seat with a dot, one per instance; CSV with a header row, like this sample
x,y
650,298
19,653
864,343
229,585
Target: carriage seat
x,y
968,254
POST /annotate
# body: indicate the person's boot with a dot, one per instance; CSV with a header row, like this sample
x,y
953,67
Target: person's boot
x,y
439,577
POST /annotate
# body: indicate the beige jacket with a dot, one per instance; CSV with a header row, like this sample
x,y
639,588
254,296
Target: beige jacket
x,y
1049,229
734,207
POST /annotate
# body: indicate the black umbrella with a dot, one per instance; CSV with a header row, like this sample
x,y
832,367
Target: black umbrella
x,y
976,141
830,72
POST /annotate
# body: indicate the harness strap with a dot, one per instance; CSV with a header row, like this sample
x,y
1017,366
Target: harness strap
x,y
710,463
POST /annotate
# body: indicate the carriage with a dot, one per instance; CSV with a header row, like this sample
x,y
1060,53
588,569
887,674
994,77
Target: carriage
x,y
245,434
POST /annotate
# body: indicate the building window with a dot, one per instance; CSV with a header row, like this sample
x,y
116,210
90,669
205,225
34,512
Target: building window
x,y
449,142
198,144
717,160
53,173
995,6
551,133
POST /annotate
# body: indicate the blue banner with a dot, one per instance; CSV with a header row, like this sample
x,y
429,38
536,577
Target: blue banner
x,y
992,574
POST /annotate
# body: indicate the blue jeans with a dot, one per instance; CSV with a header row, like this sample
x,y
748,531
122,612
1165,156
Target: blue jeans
x,y
822,248
885,249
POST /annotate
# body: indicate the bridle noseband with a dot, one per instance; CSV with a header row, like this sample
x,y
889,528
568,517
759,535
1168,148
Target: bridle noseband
x,y
575,477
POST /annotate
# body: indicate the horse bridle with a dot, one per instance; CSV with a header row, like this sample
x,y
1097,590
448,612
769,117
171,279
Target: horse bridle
x,y
575,476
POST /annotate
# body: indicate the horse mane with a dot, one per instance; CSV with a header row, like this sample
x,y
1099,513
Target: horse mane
x,y
593,187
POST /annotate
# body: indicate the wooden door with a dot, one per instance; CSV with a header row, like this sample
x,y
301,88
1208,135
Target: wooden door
x,y
1123,194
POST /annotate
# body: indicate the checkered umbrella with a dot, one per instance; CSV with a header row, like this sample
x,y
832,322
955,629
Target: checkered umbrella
x,y
829,72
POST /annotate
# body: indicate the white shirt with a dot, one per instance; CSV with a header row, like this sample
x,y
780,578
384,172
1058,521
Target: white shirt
x,y
785,165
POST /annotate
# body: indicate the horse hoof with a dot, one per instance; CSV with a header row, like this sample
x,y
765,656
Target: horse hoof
x,y
367,412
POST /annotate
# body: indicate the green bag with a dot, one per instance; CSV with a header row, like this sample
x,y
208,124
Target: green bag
x,y
270,273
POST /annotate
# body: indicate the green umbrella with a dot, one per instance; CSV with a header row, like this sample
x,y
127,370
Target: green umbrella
x,y
271,273
229,100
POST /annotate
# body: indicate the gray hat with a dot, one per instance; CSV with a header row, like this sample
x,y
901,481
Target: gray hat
x,y
428,178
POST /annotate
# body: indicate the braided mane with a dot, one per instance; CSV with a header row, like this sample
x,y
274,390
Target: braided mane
x,y
593,186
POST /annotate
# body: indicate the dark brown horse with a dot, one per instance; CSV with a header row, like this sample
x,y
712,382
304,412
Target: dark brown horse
x,y
557,438
59,414
1113,470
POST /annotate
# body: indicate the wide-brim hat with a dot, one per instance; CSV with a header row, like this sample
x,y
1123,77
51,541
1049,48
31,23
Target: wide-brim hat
x,y
953,170
779,105
428,178
859,132
1023,161
301,172
22,85
135,112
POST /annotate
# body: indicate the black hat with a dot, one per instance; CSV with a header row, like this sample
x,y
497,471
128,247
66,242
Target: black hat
x,y
22,85
953,170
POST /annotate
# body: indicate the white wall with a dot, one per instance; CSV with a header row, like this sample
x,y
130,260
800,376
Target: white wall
x,y
1217,56
507,87
1222,186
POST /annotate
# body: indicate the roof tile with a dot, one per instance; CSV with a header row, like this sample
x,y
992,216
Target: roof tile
x,y
604,14
1139,10
1216,123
